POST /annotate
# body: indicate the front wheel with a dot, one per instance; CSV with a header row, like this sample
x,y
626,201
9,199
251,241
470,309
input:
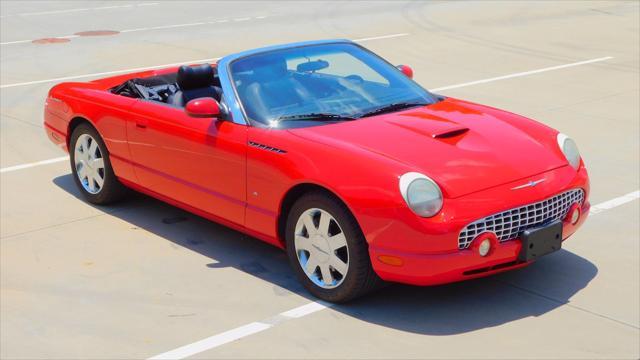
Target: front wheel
x,y
91,167
327,249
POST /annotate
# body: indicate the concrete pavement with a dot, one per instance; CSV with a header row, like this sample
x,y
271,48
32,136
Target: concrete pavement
x,y
141,278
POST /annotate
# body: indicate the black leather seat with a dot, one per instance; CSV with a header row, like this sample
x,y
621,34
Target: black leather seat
x,y
195,82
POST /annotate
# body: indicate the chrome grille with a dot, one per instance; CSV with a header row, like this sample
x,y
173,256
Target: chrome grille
x,y
507,225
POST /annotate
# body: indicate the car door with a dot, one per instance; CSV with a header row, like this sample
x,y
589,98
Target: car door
x,y
200,162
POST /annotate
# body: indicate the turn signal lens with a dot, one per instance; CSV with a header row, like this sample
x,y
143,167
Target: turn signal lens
x,y
390,260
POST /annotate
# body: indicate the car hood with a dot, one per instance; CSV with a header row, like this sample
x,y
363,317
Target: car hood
x,y
464,147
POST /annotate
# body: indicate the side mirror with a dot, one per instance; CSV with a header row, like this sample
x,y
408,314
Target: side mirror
x,y
406,70
203,108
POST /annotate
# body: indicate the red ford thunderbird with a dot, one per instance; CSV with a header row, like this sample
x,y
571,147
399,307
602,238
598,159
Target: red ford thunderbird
x,y
326,150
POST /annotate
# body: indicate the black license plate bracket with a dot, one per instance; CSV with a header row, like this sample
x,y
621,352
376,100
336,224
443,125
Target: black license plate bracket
x,y
541,241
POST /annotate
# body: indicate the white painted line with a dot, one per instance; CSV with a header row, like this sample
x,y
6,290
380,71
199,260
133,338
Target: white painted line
x,y
53,12
525,73
186,25
174,26
131,30
239,332
112,7
162,27
310,308
213,341
18,167
106,73
50,12
360,40
145,68
15,42
381,37
610,204
34,164
305,310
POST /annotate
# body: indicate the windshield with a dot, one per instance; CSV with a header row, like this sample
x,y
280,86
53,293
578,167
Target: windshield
x,y
330,81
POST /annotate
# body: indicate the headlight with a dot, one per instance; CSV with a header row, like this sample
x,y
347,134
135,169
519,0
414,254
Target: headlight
x,y
569,149
421,194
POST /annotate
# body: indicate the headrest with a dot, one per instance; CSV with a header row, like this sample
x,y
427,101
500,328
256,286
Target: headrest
x,y
271,67
195,77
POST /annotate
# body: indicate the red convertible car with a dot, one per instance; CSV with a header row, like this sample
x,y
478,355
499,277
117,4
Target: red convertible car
x,y
326,150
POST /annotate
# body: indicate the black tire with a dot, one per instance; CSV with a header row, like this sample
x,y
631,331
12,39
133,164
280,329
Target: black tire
x,y
111,190
360,278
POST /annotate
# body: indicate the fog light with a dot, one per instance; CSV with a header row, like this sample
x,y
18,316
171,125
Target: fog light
x,y
484,247
573,215
484,243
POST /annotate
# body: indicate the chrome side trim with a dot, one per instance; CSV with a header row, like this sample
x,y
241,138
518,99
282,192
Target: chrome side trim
x,y
229,92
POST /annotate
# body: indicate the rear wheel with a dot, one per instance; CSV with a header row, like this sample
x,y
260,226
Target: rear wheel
x,y
327,249
91,167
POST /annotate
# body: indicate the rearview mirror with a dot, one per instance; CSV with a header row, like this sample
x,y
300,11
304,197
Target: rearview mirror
x,y
406,70
312,66
203,108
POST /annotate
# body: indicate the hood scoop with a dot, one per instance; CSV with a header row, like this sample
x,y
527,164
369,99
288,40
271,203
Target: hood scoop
x,y
436,129
449,133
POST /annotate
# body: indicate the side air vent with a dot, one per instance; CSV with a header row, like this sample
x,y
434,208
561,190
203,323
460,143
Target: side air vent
x,y
266,147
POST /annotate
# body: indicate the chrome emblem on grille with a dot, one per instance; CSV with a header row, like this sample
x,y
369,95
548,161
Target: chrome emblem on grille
x,y
531,183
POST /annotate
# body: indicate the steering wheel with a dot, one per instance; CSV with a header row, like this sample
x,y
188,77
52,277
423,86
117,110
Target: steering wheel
x,y
354,84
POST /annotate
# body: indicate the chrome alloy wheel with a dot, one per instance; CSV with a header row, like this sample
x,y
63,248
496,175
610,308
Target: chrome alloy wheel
x,y
321,247
89,163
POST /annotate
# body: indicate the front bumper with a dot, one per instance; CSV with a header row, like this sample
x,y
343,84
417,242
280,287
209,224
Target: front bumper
x,y
430,256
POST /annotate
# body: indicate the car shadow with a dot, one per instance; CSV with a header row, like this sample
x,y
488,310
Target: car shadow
x,y
439,310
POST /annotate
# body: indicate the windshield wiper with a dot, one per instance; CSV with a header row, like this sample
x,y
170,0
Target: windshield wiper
x,y
316,117
391,108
